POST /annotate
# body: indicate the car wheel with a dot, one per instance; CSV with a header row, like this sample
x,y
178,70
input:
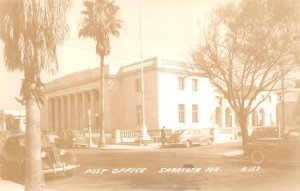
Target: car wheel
x,y
188,143
258,157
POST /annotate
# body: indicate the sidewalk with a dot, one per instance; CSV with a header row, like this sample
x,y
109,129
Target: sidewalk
x,y
135,146
130,146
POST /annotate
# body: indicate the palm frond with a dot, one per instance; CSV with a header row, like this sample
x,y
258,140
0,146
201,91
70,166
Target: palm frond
x,y
99,22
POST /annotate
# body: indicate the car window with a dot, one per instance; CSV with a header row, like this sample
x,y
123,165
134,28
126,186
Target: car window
x,y
78,134
11,143
178,132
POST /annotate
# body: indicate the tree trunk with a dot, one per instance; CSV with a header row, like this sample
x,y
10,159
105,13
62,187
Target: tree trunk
x,y
34,179
102,135
244,129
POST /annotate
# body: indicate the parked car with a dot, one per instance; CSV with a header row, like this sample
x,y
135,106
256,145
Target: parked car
x,y
51,137
54,161
73,138
188,137
264,132
285,149
3,136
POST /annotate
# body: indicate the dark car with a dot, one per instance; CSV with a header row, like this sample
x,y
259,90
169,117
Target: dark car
x,y
51,137
3,136
73,138
286,149
264,132
54,161
188,137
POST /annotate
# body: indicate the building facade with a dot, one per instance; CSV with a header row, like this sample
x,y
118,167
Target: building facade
x,y
175,95
13,120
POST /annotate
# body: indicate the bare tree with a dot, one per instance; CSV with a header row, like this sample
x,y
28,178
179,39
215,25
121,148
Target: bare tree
x,y
99,23
246,49
31,30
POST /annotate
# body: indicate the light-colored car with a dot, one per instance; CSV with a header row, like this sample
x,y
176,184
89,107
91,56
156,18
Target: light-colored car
x,y
189,137
73,138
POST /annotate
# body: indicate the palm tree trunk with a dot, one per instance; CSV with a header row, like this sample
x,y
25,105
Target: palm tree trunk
x,y
34,179
102,135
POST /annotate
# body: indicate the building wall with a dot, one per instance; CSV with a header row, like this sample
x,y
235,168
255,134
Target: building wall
x,y
170,97
130,98
69,98
291,111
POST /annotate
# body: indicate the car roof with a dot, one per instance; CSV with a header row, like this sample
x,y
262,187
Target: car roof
x,y
16,135
73,131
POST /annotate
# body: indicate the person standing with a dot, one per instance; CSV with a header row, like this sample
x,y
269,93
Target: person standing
x,y
163,136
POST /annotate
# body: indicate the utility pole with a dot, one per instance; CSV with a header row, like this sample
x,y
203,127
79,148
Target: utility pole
x,y
144,137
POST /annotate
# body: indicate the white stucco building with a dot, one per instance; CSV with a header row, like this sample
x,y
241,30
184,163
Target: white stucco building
x,y
176,97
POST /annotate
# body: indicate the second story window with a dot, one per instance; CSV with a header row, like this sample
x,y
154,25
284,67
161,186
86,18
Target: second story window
x,y
195,85
180,83
181,113
195,113
138,85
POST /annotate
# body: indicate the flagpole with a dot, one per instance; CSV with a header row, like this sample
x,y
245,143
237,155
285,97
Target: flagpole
x,y
144,133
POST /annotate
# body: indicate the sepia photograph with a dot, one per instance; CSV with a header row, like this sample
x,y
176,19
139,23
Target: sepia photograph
x,y
149,95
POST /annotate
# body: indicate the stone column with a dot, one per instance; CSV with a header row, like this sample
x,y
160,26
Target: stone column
x,y
50,114
92,107
62,114
84,111
69,112
76,111
56,114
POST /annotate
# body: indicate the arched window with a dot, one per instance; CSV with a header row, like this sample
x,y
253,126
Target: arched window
x,y
254,118
228,117
262,117
218,117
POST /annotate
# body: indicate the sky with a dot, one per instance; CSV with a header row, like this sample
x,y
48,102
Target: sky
x,y
169,29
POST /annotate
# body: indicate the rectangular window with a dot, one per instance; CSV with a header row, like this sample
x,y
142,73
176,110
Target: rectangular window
x,y
138,85
195,85
195,113
139,114
180,83
181,113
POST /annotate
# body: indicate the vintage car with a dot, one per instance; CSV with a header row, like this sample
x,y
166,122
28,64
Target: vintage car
x,y
51,137
264,132
54,161
285,149
3,136
72,138
188,137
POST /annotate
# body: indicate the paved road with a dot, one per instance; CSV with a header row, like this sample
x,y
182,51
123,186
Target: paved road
x,y
200,168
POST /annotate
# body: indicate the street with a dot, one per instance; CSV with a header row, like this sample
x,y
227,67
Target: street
x,y
196,168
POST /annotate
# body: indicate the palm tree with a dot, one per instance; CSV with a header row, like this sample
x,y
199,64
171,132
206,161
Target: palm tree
x,y
99,22
31,30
